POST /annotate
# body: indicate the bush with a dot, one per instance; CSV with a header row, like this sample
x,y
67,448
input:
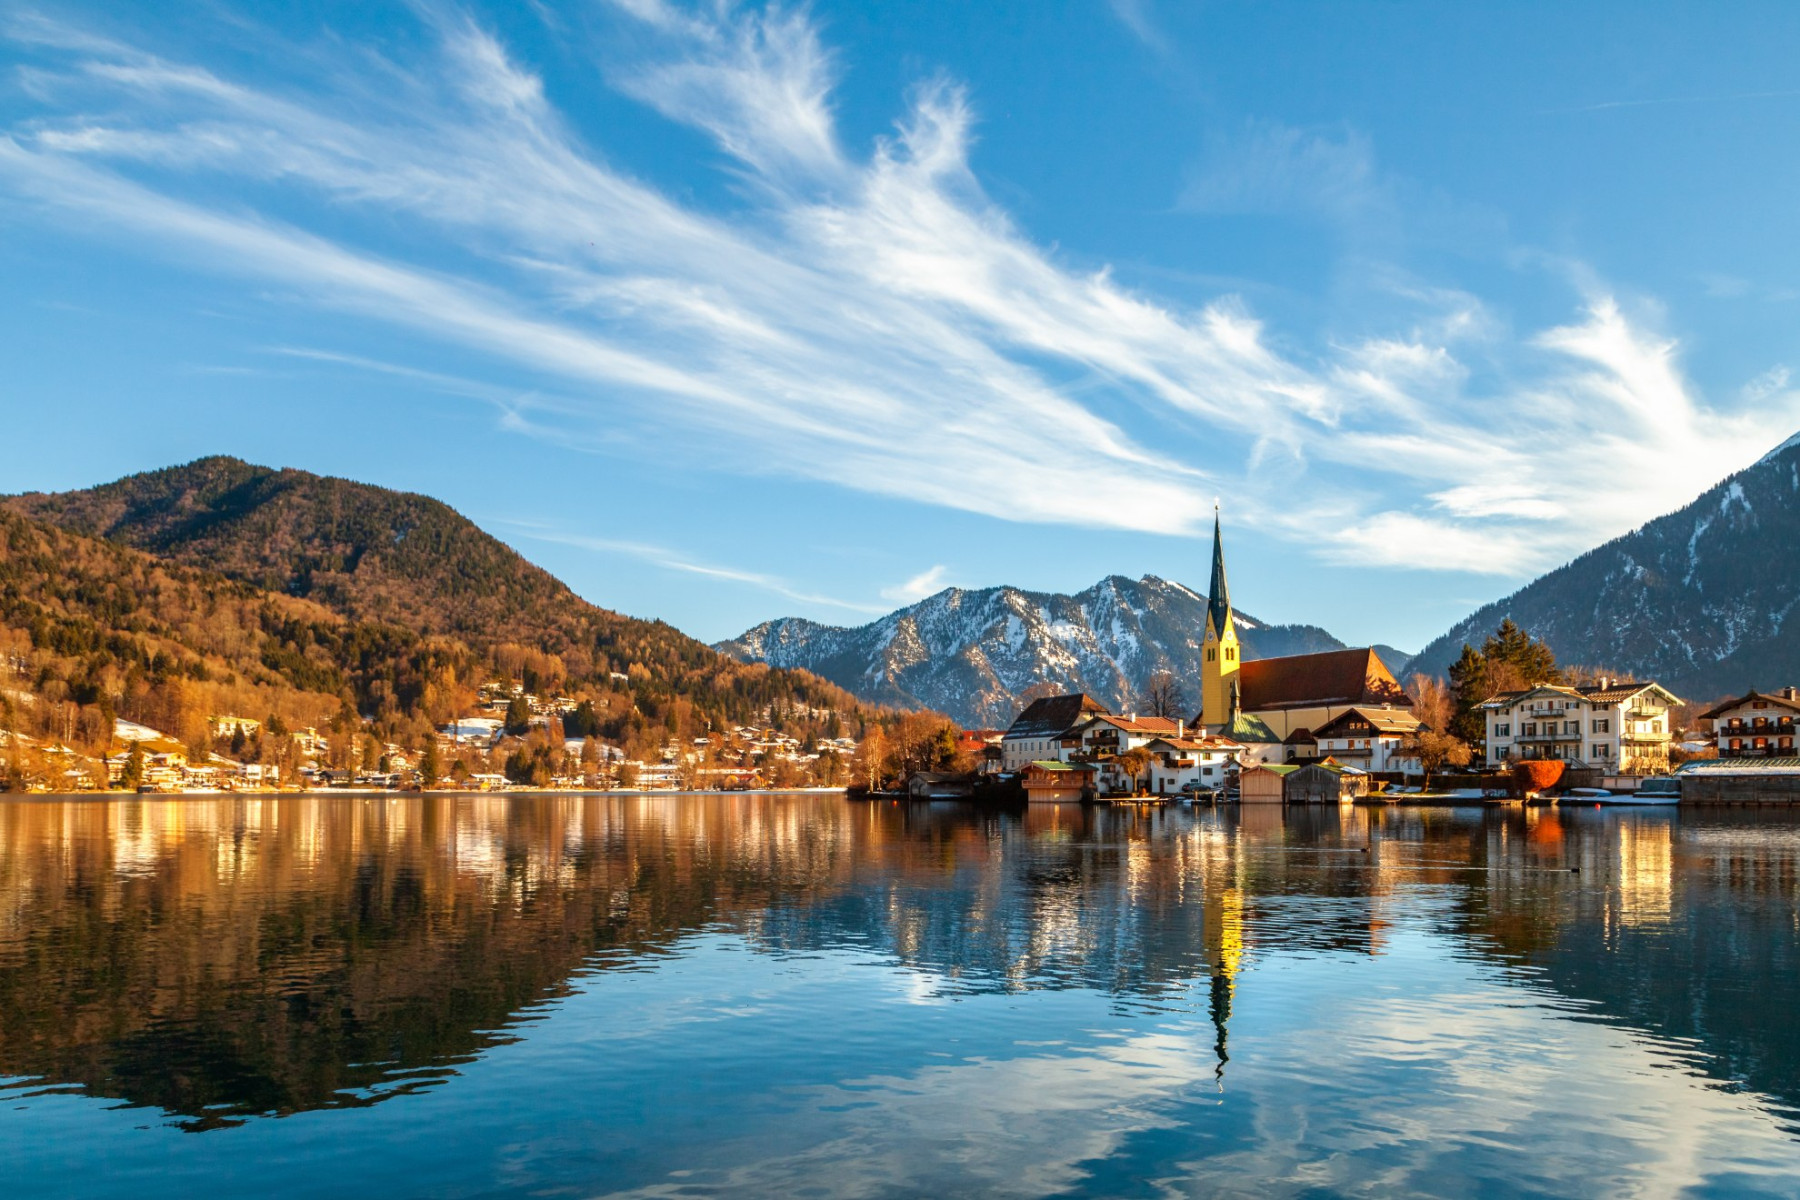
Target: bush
x,y
1537,775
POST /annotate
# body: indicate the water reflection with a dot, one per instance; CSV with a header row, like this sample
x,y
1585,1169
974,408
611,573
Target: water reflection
x,y
221,959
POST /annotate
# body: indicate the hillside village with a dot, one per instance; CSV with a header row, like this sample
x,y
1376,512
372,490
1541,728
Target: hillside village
x,y
108,679
512,739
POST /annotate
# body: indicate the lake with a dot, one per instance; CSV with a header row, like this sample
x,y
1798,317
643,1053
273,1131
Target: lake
x,y
766,995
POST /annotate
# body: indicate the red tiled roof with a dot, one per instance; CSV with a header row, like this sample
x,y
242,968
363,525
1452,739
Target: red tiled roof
x,y
1155,726
1312,680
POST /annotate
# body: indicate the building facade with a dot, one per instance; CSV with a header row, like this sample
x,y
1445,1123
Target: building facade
x,y
1622,727
1036,734
1370,739
1757,725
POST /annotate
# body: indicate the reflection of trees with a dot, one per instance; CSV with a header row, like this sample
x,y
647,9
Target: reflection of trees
x,y
1681,925
223,958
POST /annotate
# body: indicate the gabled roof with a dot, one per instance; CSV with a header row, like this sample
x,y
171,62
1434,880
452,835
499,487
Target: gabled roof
x,y
1747,698
1205,743
1312,680
1143,726
1273,768
1593,693
1387,721
1051,715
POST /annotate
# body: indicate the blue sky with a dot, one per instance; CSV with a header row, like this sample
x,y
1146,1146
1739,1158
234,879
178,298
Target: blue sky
x,y
729,312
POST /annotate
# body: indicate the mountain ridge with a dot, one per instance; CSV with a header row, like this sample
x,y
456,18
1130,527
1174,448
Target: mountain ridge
x,y
972,653
413,566
1699,599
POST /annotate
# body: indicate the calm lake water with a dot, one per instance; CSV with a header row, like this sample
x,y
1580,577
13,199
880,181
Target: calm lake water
x,y
800,995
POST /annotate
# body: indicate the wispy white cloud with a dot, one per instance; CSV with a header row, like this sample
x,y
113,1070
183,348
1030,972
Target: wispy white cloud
x,y
926,583
674,560
866,317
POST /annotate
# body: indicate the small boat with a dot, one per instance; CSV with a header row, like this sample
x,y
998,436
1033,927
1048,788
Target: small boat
x,y
1654,791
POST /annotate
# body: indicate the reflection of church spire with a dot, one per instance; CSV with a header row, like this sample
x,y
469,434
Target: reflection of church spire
x,y
1221,1013
1225,938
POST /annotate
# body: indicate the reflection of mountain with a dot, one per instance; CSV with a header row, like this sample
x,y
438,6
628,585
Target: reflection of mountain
x,y
1683,927
225,958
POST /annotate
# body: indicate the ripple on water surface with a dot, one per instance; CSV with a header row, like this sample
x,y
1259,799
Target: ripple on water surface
x,y
767,995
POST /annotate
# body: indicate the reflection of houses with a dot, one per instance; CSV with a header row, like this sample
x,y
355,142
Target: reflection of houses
x,y
1614,725
1755,725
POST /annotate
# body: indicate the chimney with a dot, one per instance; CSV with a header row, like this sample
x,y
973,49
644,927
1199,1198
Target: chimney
x,y
1605,682
1790,693
1181,725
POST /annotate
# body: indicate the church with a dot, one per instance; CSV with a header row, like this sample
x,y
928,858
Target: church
x,y
1286,696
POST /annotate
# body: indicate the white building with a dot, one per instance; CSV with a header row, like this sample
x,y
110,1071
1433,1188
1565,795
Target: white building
x,y
1370,739
1756,725
1177,762
1616,726
1106,736
1036,734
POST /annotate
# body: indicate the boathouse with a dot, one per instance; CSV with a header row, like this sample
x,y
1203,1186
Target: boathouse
x,y
1324,783
1053,782
1264,784
1740,781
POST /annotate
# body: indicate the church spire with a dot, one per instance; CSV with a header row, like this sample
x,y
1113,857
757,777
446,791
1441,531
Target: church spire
x,y
1218,604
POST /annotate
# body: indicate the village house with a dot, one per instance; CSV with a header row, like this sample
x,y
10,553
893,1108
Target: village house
x,y
1037,732
1053,781
1756,725
1617,726
1370,739
1181,763
1106,736
230,726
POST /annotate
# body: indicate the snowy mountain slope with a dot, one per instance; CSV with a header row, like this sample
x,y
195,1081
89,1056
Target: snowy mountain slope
x,y
1705,600
972,653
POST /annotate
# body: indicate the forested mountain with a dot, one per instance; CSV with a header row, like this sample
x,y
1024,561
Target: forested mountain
x,y
1701,600
972,654
308,590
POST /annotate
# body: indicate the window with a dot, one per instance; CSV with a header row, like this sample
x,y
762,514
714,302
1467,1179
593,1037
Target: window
x,y
1503,730
1571,726
1603,726
1528,729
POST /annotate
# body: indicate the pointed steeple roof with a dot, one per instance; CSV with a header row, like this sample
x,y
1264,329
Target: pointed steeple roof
x,y
1218,604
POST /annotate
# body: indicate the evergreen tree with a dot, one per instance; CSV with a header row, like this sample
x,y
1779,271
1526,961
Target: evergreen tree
x,y
133,774
518,717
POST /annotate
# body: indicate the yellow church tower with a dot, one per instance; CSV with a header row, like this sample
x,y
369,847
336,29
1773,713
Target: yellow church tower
x,y
1219,653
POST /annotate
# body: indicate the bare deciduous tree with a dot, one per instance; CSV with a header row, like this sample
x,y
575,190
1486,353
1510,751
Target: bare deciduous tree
x,y
1163,697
